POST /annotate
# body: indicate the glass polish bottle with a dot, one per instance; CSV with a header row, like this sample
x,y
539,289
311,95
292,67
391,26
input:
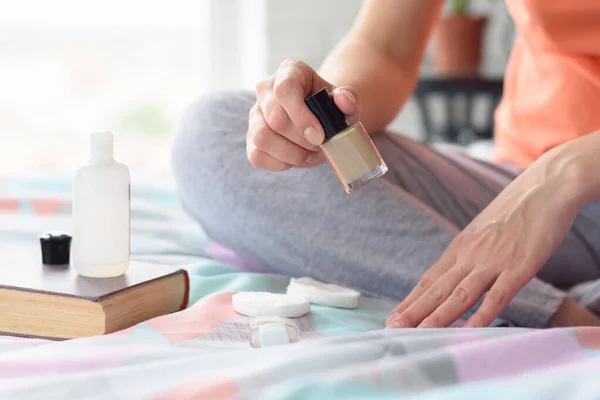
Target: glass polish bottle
x,y
348,148
101,213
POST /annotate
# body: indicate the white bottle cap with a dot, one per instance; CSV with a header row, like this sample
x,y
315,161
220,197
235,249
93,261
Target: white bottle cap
x,y
273,334
101,146
272,330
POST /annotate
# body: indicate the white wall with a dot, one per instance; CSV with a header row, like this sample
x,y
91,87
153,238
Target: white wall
x,y
306,29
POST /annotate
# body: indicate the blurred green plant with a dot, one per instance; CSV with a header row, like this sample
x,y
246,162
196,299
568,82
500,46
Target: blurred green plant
x,y
459,7
146,118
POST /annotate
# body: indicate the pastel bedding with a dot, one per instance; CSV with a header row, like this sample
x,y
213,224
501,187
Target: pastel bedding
x,y
203,351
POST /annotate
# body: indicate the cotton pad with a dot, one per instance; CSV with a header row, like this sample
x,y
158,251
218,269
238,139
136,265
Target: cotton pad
x,y
323,293
258,304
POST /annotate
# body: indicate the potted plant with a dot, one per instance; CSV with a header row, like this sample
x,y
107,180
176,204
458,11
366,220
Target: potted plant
x,y
457,43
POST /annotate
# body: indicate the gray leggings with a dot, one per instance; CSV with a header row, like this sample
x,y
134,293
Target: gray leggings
x,y
380,239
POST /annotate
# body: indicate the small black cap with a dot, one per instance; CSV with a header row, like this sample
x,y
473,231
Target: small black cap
x,y
56,247
331,117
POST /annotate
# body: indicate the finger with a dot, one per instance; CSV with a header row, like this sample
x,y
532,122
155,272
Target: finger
x,y
426,280
315,158
348,101
465,295
263,138
420,288
292,85
496,300
432,298
279,121
257,157
262,160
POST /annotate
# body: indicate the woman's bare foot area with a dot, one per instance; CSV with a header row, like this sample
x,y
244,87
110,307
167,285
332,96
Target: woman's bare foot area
x,y
572,314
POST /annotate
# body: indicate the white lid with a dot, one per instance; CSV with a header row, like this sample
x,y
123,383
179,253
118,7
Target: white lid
x,y
273,334
101,146
268,329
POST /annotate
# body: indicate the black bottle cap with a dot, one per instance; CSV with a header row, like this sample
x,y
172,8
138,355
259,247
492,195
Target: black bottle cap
x,y
331,117
56,247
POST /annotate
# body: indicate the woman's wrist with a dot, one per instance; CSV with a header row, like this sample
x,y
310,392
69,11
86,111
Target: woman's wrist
x,y
550,183
575,165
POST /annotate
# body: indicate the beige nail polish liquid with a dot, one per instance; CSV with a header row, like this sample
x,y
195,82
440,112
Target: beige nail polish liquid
x,y
348,148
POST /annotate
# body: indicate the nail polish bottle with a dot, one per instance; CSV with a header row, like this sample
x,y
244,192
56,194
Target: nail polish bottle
x,y
348,148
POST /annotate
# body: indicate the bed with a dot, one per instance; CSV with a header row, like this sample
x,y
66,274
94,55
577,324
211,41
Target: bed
x,y
203,351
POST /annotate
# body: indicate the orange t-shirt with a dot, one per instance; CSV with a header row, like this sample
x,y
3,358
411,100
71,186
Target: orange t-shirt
x,y
552,81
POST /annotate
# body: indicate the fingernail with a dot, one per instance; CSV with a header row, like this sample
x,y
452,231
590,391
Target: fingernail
x,y
470,325
391,317
396,324
312,134
424,325
313,158
349,95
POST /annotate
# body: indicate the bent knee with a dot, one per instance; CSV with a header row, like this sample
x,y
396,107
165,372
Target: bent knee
x,y
211,132
212,125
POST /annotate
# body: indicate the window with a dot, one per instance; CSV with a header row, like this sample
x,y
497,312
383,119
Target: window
x,y
68,67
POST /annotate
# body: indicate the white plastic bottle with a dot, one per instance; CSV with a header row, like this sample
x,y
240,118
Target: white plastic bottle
x,y
101,213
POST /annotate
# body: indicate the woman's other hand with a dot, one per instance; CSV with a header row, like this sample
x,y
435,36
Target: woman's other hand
x,y
499,252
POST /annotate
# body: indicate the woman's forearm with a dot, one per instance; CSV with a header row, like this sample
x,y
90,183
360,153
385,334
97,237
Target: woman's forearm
x,y
383,84
382,54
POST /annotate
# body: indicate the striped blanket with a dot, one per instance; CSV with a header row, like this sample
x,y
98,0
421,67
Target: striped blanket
x,y
203,352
